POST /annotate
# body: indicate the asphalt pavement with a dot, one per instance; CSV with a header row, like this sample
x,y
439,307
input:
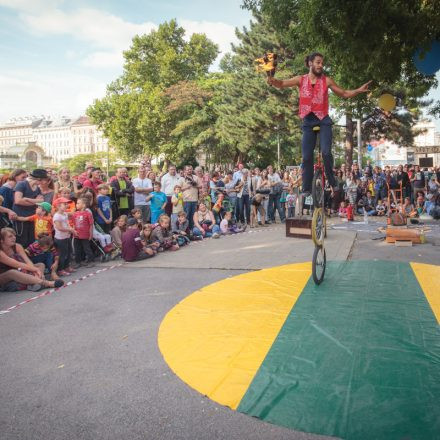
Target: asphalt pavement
x,y
83,362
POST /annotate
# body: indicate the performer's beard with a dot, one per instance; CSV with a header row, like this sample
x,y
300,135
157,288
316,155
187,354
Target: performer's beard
x,y
317,72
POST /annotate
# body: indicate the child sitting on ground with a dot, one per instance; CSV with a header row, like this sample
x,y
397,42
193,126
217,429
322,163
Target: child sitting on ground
x,y
132,247
381,208
227,227
42,219
342,210
181,229
147,229
163,235
158,202
407,207
43,251
118,230
136,213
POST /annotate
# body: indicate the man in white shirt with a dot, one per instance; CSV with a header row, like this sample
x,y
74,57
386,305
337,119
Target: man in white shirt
x,y
275,195
169,181
142,187
238,175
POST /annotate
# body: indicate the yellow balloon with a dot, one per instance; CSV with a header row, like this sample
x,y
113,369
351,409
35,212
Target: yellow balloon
x,y
387,102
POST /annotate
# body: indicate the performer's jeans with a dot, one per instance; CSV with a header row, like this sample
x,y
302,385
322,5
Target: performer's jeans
x,y
308,146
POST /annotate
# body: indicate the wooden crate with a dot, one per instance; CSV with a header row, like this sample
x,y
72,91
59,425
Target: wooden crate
x,y
403,234
299,227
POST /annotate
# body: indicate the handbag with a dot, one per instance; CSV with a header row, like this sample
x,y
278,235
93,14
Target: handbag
x,y
264,191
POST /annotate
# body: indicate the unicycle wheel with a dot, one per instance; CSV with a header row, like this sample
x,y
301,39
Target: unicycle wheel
x,y
319,262
318,189
318,226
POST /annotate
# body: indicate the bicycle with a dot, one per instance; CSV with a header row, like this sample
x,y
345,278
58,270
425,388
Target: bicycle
x,y
319,229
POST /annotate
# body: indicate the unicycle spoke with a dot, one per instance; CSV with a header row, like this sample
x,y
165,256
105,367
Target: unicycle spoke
x,y
318,189
318,264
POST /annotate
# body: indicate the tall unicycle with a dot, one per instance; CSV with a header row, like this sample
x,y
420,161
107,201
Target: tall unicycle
x,y
318,220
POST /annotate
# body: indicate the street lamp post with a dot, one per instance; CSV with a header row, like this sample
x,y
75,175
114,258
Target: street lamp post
x,y
359,139
278,148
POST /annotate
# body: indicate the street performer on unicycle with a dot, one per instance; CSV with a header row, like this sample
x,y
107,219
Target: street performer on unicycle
x,y
313,110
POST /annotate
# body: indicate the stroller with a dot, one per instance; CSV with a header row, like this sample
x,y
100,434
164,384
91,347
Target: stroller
x,y
104,252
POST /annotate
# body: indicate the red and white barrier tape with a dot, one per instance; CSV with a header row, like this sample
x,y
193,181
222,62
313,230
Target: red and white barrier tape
x,y
50,291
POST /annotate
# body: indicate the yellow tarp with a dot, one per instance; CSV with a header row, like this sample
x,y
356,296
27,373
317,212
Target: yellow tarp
x,y
428,277
216,339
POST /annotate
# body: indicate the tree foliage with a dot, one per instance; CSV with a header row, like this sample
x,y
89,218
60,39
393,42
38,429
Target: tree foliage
x,y
132,114
252,115
362,41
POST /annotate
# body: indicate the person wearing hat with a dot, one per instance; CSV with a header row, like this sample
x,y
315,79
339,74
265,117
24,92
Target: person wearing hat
x,y
26,197
133,248
42,219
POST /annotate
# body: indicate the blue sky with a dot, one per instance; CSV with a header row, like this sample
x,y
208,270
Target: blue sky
x,y
57,56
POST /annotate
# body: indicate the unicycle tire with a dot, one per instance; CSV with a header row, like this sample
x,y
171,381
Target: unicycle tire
x,y
319,262
318,226
318,189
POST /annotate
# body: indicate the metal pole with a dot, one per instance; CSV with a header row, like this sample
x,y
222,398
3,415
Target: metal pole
x,y
359,136
108,159
279,151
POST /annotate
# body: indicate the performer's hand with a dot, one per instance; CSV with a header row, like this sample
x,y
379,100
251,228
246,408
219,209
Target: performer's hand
x,y
364,88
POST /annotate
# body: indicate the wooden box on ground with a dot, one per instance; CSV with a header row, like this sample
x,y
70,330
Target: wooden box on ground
x,y
403,234
299,227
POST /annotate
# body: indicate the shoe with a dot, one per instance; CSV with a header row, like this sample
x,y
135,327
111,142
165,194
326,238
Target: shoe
x,y
34,287
244,228
259,223
90,264
58,283
215,235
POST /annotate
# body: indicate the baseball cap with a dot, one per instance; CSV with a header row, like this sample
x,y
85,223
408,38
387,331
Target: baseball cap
x,y
131,221
62,200
46,206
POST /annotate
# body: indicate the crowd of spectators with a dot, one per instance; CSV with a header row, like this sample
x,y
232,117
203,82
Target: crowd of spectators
x,y
53,222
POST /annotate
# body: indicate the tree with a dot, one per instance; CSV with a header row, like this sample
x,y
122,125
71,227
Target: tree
x,y
362,44
77,163
252,115
132,114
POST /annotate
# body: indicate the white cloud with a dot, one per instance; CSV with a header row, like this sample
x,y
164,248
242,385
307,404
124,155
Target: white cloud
x,y
100,36
98,28
104,59
57,94
29,5
221,33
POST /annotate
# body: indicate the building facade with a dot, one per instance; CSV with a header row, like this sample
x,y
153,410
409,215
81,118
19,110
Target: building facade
x,y
425,151
18,131
59,138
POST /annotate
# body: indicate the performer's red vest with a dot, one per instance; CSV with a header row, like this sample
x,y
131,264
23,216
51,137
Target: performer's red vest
x,y
313,99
